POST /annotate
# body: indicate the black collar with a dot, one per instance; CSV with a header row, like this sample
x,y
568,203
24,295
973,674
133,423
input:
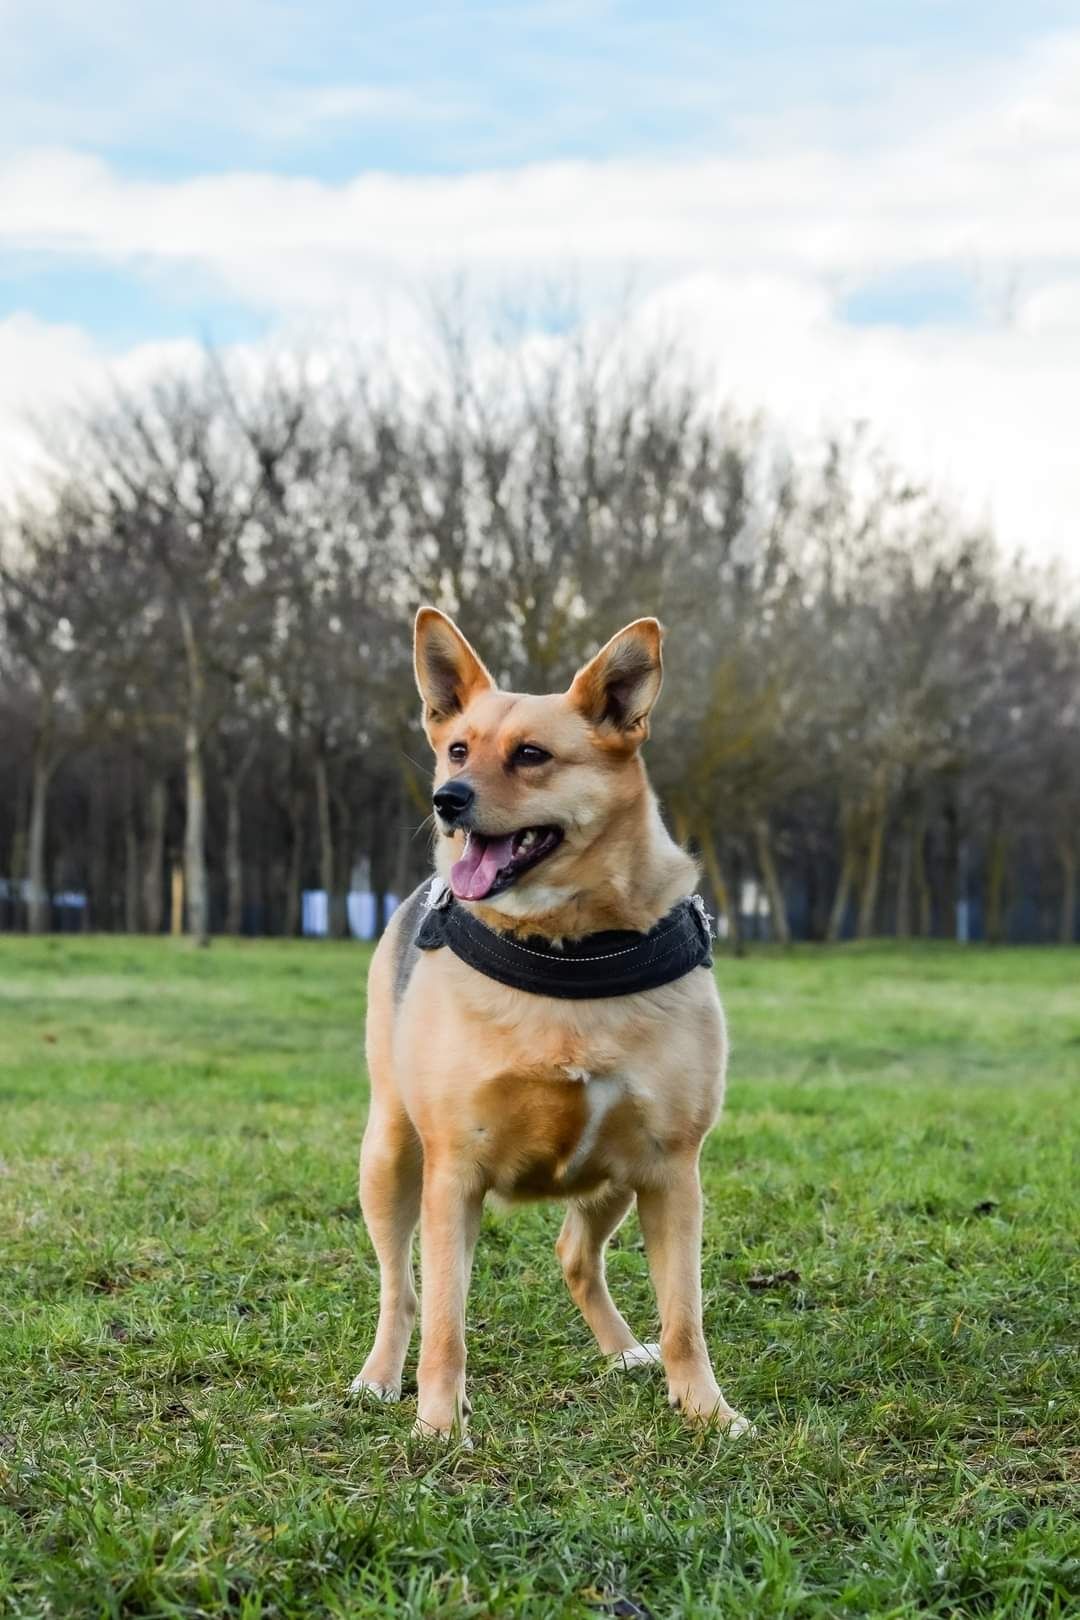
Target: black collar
x,y
615,963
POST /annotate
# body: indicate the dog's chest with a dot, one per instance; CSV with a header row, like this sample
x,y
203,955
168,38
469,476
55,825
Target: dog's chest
x,y
549,1136
601,1095
545,1099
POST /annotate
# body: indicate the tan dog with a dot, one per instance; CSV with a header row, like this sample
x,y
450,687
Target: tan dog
x,y
478,1087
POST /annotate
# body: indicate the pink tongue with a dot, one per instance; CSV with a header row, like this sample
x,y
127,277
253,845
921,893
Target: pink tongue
x,y
474,874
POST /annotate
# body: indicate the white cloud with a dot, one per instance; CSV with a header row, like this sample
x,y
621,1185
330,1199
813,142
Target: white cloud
x,y
989,416
1054,307
746,257
44,369
998,187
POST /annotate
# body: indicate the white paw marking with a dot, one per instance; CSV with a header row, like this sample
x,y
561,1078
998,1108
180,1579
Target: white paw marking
x,y
381,1392
738,1425
640,1355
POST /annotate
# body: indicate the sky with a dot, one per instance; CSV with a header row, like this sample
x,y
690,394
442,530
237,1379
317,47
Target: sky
x,y
844,212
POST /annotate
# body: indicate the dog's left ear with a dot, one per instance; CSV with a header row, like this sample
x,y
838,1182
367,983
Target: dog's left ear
x,y
617,689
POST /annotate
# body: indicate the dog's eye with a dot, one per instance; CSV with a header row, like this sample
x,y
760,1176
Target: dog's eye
x,y
458,752
530,754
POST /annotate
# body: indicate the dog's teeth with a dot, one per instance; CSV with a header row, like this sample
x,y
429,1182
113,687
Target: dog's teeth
x,y
528,839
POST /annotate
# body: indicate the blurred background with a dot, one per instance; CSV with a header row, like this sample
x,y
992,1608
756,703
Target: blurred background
x,y
552,315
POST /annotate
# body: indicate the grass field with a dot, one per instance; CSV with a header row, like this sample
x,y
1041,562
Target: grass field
x,y
185,1292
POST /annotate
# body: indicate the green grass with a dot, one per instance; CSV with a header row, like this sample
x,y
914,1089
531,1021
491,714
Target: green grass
x,y
185,1292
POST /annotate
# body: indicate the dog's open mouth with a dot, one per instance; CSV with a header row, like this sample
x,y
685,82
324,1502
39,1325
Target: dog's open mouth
x,y
488,865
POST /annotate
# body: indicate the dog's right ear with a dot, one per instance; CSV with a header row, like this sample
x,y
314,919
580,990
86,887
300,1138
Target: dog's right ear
x,y
448,671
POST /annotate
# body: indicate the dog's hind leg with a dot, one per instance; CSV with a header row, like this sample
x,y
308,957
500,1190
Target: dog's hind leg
x,y
588,1225
391,1173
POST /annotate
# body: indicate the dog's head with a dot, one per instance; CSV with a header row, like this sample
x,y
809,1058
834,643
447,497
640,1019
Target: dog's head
x,y
531,789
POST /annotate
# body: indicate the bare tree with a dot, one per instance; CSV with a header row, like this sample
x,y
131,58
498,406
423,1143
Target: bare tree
x,y
204,639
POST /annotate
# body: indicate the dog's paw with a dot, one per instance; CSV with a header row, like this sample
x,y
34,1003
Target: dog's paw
x,y
734,1427
378,1392
729,1424
452,1436
638,1356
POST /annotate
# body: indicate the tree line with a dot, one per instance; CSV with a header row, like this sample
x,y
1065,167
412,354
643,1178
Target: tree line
x,y
870,722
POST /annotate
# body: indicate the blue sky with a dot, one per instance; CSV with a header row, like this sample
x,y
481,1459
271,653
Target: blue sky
x,y
894,177
329,89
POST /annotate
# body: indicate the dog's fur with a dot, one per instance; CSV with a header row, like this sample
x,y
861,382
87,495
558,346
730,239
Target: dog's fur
x,y
477,1087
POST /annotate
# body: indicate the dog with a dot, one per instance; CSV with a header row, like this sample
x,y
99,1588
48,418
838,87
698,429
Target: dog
x,y
551,840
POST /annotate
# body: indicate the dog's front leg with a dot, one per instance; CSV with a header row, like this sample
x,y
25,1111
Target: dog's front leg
x,y
449,1223
670,1216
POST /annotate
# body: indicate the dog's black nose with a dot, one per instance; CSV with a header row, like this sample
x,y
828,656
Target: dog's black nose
x,y
453,799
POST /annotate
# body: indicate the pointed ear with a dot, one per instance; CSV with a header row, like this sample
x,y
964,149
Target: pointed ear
x,y
619,686
448,672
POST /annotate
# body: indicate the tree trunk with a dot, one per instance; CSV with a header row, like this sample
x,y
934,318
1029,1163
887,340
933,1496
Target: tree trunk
x,y
276,891
234,860
101,893
295,868
963,908
327,872
816,917
842,893
131,867
154,868
714,872
868,900
339,909
20,834
1068,893
40,910
773,887
176,904
262,920
195,883
925,910
234,855
903,887
995,889
951,885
